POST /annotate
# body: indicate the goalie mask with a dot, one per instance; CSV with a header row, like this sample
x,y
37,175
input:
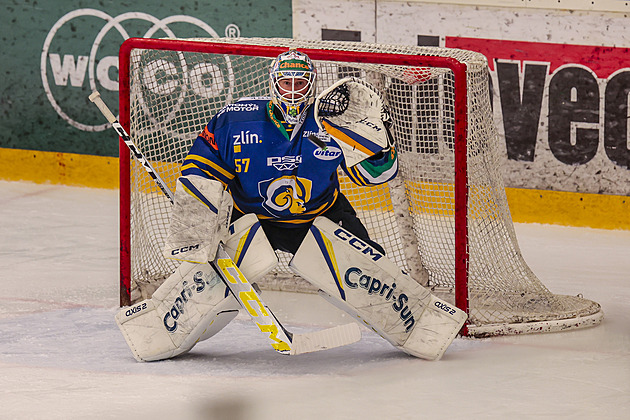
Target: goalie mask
x,y
292,79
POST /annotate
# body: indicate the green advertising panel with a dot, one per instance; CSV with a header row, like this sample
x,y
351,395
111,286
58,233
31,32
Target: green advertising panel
x,y
55,53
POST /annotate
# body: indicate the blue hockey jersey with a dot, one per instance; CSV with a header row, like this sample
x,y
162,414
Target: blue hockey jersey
x,y
278,176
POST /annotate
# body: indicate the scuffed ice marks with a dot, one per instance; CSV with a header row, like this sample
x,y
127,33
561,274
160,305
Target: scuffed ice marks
x,y
88,339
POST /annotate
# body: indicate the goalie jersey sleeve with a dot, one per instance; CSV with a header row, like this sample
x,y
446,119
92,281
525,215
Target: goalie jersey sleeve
x,y
277,176
374,170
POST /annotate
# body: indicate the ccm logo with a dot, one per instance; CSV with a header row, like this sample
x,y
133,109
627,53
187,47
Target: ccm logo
x,y
184,249
370,124
358,244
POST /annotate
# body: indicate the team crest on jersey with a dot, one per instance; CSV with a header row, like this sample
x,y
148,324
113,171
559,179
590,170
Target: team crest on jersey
x,y
285,196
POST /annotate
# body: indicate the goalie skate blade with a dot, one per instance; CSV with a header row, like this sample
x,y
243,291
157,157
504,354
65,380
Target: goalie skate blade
x,y
330,338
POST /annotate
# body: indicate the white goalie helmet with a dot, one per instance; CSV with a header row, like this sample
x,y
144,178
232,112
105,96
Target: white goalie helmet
x,y
292,83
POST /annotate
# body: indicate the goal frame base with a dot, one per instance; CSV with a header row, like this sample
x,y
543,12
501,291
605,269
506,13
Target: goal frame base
x,y
539,327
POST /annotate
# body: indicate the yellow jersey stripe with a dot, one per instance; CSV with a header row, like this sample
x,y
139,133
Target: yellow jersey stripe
x,y
210,163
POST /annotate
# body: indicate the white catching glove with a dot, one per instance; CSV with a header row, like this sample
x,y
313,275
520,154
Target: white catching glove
x,y
199,221
353,113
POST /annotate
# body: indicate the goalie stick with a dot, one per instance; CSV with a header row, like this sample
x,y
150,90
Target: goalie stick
x,y
282,340
96,98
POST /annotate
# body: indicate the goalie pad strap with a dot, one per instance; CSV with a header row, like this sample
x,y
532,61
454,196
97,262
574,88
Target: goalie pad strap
x,y
366,284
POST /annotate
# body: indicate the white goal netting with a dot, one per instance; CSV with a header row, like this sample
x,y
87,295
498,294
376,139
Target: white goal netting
x,y
175,89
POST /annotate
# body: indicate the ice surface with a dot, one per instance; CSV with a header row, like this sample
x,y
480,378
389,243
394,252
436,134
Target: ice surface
x,y
62,356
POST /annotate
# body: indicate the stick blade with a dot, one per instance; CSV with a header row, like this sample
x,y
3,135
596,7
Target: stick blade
x,y
338,336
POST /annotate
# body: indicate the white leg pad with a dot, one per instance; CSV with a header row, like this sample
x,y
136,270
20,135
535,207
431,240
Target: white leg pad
x,y
249,248
438,325
191,305
359,280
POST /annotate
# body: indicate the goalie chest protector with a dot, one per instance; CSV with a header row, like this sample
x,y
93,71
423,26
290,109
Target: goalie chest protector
x,y
246,148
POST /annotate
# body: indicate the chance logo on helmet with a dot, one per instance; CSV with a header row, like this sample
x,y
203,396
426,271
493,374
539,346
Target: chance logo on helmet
x,y
292,83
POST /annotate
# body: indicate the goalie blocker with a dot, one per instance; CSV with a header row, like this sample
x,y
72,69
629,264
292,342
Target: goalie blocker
x,y
364,283
199,220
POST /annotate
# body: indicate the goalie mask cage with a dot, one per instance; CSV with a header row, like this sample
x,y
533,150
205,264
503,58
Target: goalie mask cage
x,y
444,219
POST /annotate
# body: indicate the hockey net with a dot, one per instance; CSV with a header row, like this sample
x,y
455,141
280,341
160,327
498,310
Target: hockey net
x,y
444,219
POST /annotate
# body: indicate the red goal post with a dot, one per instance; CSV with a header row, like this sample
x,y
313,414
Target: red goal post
x,y
440,102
